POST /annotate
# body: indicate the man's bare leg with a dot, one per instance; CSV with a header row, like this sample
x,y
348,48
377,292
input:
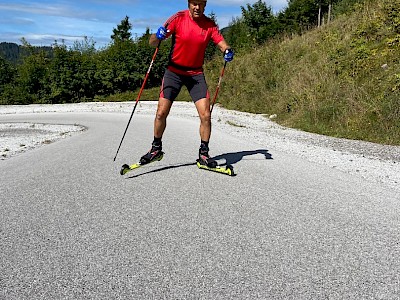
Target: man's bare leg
x,y
160,121
203,109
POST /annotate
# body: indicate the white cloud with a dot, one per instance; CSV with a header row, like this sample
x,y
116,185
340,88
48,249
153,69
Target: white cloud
x,y
44,37
32,8
54,10
17,21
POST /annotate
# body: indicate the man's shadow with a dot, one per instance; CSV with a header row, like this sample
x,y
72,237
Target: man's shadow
x,y
230,159
163,169
234,157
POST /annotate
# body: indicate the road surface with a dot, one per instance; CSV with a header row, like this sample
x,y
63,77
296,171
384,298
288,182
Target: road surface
x,y
71,227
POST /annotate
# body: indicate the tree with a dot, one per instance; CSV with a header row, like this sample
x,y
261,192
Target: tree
x,y
122,32
87,45
211,49
302,14
71,76
238,35
260,20
32,79
6,73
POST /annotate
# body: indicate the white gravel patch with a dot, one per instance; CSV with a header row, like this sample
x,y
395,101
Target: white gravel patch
x,y
16,138
373,162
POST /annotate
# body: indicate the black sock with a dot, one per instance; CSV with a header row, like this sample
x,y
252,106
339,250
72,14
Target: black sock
x,y
157,141
204,146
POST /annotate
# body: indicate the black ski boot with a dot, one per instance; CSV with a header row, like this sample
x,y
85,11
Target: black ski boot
x,y
205,159
154,154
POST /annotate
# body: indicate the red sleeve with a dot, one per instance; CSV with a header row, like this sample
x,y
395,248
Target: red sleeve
x,y
216,35
170,28
172,22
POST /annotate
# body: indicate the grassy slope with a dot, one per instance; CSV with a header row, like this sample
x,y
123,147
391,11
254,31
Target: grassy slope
x,y
330,80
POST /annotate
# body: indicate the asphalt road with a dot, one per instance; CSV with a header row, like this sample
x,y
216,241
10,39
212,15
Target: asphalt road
x,y
71,227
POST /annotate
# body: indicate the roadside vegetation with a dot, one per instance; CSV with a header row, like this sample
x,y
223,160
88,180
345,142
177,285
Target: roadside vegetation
x,y
341,79
330,67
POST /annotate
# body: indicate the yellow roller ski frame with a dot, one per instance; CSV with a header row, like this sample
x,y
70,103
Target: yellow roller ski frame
x,y
228,170
126,168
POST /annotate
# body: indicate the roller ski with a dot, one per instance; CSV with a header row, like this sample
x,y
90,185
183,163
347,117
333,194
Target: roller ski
x,y
205,162
154,154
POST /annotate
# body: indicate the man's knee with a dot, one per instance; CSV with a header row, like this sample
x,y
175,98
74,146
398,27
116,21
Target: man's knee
x,y
203,108
205,116
164,106
161,115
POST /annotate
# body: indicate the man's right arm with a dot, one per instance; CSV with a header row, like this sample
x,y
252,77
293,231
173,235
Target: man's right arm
x,y
153,41
156,38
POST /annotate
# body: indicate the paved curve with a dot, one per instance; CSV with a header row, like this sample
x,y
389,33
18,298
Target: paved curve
x,y
72,228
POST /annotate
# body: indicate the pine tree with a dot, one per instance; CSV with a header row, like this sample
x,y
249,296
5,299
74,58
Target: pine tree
x,y
122,32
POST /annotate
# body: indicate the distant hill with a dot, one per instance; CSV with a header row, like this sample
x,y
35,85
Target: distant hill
x,y
225,30
13,52
10,51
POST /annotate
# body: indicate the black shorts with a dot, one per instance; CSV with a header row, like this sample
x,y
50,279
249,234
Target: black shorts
x,y
172,84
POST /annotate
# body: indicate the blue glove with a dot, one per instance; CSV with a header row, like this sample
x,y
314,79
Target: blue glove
x,y
161,33
228,55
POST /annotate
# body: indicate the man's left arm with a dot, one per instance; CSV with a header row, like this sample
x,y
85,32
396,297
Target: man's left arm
x,y
223,45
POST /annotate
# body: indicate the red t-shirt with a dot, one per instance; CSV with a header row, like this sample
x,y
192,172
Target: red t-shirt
x,y
189,42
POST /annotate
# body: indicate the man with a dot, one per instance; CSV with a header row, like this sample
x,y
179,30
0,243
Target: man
x,y
191,32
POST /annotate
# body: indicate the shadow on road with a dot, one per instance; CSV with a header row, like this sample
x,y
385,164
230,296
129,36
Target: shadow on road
x,y
162,169
234,157
230,159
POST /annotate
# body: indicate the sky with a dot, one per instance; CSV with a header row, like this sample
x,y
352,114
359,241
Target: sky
x,y
41,22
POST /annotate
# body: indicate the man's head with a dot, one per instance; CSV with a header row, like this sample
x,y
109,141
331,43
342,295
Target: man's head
x,y
196,8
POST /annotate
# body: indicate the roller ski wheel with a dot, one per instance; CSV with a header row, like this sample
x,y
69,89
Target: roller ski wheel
x,y
124,169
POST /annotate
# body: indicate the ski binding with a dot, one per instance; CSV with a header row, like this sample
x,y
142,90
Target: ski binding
x,y
127,168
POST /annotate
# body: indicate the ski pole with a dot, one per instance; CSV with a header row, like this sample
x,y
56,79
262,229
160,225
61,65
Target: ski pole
x,y
139,95
218,85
